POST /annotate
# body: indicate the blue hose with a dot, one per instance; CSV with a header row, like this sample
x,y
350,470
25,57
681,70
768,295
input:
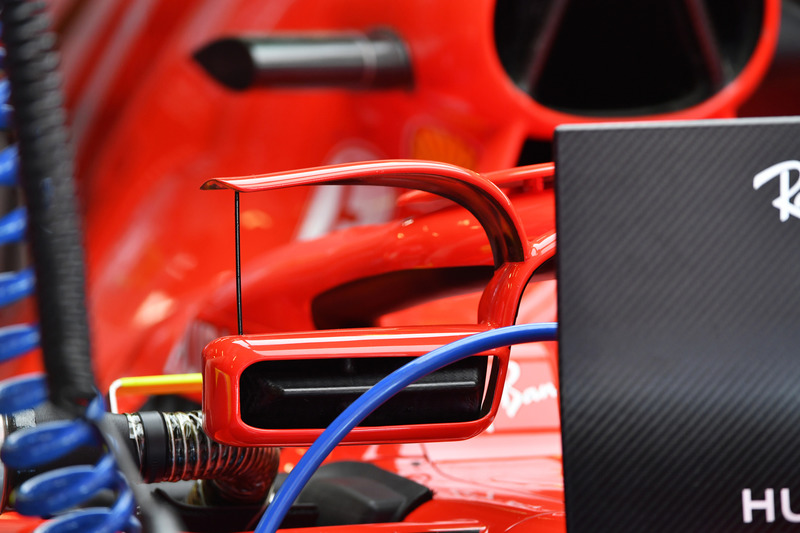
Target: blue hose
x,y
380,393
59,490
9,165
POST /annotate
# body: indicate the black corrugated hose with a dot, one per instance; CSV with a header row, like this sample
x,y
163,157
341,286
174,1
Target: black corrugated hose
x,y
47,179
54,232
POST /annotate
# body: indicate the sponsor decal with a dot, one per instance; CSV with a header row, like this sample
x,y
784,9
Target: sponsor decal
x,y
752,507
514,398
787,202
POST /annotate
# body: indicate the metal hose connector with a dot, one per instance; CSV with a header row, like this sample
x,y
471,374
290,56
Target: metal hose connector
x,y
235,474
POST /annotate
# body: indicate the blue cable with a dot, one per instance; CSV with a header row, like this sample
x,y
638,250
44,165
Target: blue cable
x,y
381,392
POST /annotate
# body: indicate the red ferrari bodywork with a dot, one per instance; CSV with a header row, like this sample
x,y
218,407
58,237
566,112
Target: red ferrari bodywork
x,y
150,127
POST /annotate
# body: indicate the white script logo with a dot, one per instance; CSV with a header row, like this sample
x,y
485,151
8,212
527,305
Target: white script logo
x,y
514,398
788,203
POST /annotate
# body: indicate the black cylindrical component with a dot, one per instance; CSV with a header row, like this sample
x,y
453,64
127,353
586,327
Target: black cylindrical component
x,y
238,474
378,60
174,447
47,182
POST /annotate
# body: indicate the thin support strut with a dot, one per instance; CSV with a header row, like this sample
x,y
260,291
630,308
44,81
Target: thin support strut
x,y
238,264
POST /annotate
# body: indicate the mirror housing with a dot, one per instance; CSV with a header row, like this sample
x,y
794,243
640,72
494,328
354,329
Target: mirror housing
x,y
284,389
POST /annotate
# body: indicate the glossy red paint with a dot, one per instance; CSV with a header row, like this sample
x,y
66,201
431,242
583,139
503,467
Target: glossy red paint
x,y
476,194
439,526
290,279
501,299
501,481
494,518
17,523
283,286
149,126
225,359
531,176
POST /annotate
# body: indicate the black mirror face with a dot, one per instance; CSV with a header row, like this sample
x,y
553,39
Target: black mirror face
x,y
311,393
625,57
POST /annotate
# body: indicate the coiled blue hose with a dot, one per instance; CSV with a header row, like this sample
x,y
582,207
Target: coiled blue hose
x,y
56,491
381,392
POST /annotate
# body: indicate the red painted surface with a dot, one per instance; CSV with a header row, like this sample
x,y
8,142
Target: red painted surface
x,y
225,359
476,194
150,127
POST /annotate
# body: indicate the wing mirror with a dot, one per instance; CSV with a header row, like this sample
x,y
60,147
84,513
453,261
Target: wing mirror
x,y
284,389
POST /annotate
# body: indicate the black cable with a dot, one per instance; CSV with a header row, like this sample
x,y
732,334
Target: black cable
x,y
238,264
48,186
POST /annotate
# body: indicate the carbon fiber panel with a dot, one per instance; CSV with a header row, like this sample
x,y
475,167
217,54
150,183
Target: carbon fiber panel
x,y
679,320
